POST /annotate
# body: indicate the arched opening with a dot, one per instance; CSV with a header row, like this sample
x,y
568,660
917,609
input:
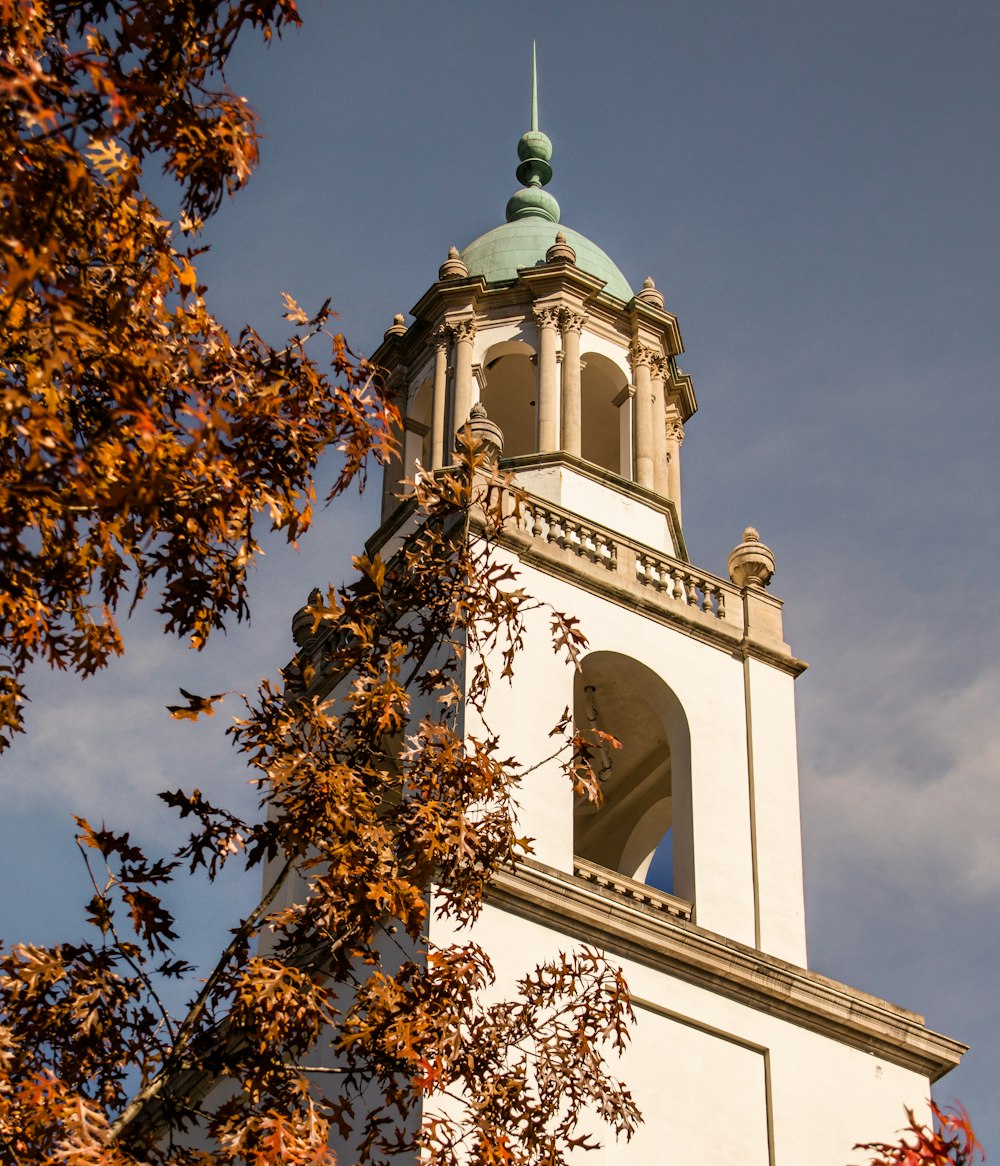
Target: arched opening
x,y
417,429
601,380
646,783
509,395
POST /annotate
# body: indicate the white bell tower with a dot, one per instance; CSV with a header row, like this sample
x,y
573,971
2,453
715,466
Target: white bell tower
x,y
741,1054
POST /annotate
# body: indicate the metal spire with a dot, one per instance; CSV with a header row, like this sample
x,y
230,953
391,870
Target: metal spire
x,y
534,151
534,90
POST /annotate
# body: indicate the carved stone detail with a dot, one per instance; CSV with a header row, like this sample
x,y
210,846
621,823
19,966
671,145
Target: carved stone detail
x,y
560,250
453,267
649,294
464,330
751,564
398,327
641,354
546,317
675,430
487,432
571,321
661,368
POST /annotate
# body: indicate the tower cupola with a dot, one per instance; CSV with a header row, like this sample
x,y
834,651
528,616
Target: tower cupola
x,y
536,323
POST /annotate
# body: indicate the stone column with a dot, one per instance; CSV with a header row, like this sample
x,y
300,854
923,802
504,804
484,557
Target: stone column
x,y
641,358
464,334
674,440
548,384
439,396
571,325
660,473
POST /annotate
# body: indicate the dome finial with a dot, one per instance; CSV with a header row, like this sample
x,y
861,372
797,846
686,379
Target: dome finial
x,y
534,150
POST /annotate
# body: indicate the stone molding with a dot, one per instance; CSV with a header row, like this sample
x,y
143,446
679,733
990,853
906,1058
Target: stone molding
x,y
608,919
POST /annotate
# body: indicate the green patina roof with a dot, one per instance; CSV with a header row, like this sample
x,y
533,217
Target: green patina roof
x,y
499,253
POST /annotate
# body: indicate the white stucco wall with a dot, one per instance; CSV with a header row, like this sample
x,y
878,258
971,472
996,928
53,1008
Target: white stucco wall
x,y
719,1082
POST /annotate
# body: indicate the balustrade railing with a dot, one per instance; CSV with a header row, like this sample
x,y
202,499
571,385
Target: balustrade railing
x,y
564,530
681,585
638,892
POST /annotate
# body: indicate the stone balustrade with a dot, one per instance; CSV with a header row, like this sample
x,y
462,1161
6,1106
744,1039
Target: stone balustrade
x,y
610,880
568,532
683,584
676,586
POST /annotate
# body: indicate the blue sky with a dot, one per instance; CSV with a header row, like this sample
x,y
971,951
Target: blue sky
x,y
814,187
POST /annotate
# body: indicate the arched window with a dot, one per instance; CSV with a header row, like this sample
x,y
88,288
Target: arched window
x,y
601,380
417,430
646,783
509,395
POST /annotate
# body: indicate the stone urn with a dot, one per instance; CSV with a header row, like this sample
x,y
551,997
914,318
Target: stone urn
x,y
751,564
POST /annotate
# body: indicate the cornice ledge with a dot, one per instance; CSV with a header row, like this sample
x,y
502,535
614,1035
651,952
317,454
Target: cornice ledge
x,y
758,650
445,293
611,920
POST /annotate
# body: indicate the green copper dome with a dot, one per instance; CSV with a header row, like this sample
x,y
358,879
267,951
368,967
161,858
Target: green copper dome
x,y
499,253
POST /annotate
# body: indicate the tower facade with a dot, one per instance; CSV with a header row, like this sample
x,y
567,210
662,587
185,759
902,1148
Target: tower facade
x,y
740,1053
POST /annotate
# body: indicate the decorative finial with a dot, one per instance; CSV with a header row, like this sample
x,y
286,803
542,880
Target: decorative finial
x,y
560,249
534,151
398,326
751,564
487,433
453,267
649,294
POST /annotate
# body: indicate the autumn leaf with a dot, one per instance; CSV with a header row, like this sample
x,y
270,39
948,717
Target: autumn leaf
x,y
196,705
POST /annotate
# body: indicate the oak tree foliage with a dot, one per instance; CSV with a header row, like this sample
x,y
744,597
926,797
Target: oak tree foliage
x,y
329,1015
950,1141
140,442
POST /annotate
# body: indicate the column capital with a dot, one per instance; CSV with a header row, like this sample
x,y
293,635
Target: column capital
x,y
463,329
675,430
660,368
640,354
570,321
546,317
442,335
